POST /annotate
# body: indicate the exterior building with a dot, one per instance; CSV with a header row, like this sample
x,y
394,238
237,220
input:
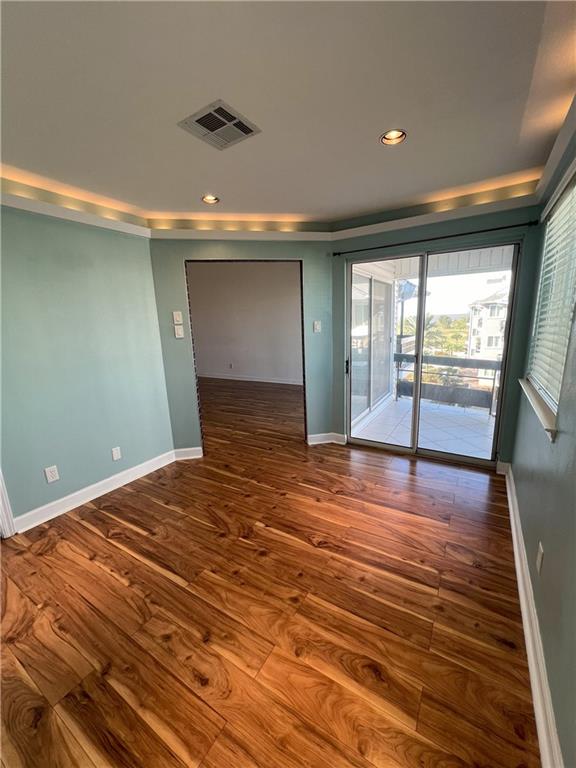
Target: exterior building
x,y
488,325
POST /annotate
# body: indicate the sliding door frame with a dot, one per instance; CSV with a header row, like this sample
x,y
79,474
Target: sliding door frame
x,y
423,256
414,450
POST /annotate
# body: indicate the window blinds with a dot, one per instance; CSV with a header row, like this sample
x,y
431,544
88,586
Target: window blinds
x,y
556,299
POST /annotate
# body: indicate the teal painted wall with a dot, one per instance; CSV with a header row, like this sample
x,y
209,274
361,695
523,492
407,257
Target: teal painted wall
x,y
82,363
448,236
545,480
168,257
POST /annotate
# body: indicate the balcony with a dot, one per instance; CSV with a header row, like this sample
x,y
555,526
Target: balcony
x,y
457,408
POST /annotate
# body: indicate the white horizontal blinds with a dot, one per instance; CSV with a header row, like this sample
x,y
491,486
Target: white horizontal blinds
x,y
556,298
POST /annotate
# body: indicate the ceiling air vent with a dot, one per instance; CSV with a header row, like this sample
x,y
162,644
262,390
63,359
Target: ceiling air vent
x,y
220,125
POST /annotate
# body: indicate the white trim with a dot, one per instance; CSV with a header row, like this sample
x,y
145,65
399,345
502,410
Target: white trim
x,y
6,518
327,437
59,212
82,217
181,454
524,201
224,234
545,414
555,157
263,379
84,495
550,753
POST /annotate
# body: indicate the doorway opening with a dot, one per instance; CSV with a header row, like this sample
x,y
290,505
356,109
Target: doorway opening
x,y
247,337
427,351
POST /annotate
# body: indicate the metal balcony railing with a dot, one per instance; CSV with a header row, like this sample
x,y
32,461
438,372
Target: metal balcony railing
x,y
444,381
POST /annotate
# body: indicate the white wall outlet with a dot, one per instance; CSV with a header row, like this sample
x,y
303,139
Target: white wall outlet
x,y
317,326
539,557
51,474
179,331
177,317
116,454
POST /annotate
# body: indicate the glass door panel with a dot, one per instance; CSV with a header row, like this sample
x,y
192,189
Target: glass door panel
x,y
383,343
465,325
360,346
381,340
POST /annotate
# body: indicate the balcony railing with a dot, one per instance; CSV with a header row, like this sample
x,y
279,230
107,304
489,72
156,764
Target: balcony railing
x,y
454,386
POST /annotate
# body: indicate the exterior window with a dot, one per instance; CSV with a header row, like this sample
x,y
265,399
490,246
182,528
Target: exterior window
x,y
555,304
490,341
478,345
480,323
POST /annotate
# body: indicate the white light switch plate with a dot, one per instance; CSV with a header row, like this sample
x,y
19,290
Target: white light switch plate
x,y
51,474
317,326
179,331
116,454
177,317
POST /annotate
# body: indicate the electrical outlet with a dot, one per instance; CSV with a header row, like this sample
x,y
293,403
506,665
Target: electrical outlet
x,y
179,331
51,474
539,557
116,454
317,326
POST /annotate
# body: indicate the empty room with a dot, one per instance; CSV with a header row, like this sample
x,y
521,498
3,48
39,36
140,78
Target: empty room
x,y
288,384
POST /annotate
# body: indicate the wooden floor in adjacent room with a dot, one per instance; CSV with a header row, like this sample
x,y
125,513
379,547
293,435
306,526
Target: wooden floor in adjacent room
x,y
271,605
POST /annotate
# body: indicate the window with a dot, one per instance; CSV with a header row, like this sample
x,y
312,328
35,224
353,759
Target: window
x,y
555,303
480,323
490,341
478,345
493,310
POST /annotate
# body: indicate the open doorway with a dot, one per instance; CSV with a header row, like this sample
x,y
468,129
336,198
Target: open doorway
x,y
247,335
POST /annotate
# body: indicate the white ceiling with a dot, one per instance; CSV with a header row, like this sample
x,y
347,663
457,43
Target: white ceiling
x,y
92,93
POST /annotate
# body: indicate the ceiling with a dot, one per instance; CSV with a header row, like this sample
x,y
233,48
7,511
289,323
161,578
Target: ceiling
x,y
92,94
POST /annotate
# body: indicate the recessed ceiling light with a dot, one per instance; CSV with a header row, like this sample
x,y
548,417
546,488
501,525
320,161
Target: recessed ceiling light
x,y
394,136
210,199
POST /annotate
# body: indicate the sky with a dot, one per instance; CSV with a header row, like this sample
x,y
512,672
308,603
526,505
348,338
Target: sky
x,y
453,294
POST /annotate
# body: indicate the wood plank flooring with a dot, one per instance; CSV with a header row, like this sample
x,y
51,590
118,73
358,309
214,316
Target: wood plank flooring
x,y
271,605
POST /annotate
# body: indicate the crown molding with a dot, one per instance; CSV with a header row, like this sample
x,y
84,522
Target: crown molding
x,y
239,234
83,217
525,201
69,214
567,133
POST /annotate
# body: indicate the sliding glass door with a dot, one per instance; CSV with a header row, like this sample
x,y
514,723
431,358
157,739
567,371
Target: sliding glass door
x,y
426,366
383,333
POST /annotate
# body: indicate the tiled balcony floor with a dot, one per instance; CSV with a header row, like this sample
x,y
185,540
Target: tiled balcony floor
x,y
443,427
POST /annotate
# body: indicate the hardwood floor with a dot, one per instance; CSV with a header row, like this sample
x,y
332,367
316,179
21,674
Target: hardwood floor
x,y
272,605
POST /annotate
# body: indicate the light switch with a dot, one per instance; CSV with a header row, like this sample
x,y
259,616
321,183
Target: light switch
x,y
179,331
317,326
177,317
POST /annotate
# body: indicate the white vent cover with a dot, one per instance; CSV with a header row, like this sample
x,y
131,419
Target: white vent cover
x,y
219,124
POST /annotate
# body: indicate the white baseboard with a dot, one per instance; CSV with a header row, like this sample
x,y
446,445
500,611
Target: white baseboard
x,y
6,519
84,495
550,752
327,437
180,454
240,377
